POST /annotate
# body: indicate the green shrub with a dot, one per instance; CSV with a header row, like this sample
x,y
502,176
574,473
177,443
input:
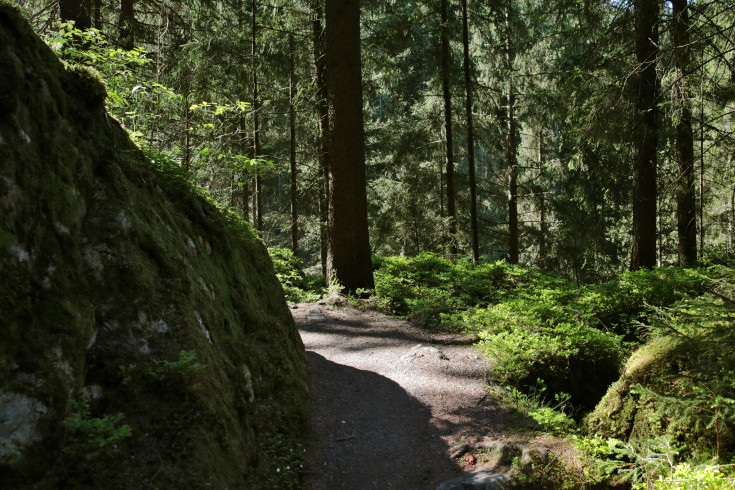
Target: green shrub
x,y
91,437
296,286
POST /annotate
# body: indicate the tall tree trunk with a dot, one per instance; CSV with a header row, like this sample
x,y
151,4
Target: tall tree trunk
x,y
701,163
244,145
645,136
78,11
320,64
125,24
511,146
258,198
187,125
732,220
97,14
686,203
292,126
543,226
349,256
451,190
470,136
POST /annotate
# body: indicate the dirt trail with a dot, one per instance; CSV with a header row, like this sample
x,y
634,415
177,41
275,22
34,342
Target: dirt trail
x,y
389,400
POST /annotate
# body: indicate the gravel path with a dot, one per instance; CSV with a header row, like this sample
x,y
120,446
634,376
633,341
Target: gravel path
x,y
389,400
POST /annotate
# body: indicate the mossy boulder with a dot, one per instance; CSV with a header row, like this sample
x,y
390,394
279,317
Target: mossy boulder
x,y
664,390
144,338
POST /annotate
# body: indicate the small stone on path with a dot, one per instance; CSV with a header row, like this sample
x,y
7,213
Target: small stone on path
x,y
316,314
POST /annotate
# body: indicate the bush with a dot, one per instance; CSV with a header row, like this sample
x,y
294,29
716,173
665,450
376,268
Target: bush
x,y
296,286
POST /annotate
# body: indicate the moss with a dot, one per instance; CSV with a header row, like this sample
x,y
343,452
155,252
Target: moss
x,y
84,83
624,413
119,277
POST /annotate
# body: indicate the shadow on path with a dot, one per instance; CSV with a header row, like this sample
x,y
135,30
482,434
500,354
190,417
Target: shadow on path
x,y
368,432
356,328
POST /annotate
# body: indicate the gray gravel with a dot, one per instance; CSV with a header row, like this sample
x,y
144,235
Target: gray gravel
x,y
389,400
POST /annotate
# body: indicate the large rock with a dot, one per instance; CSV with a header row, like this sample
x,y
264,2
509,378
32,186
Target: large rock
x,y
653,396
144,338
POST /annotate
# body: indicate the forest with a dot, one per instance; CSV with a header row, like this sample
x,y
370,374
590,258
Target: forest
x,y
539,170
555,179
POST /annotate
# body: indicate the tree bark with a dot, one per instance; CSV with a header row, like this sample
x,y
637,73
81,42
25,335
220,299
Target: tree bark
x,y
244,144
686,203
97,14
292,127
258,198
349,257
645,136
320,64
125,24
543,226
78,11
474,235
446,93
511,147
701,163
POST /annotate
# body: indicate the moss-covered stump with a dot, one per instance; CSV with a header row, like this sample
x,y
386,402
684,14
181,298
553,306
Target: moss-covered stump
x,y
144,338
665,390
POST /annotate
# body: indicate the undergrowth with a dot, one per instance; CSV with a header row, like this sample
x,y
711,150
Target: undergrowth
x,y
297,287
557,347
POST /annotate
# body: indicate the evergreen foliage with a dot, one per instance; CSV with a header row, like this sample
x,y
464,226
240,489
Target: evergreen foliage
x,y
554,88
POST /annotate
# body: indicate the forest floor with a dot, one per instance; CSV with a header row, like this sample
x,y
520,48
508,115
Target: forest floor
x,y
390,402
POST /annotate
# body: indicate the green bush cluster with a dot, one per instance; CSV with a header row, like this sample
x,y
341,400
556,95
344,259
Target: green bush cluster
x,y
297,287
531,324
434,291
90,437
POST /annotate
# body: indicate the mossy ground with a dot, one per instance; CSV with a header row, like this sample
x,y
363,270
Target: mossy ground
x,y
112,264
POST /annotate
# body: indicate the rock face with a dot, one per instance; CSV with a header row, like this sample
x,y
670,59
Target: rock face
x,y
660,366
144,338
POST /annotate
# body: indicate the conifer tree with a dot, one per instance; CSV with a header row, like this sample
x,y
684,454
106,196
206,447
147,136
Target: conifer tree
x,y
645,135
349,258
685,191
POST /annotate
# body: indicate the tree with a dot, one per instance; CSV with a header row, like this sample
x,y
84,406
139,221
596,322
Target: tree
x,y
78,11
320,65
470,136
258,197
292,143
349,257
645,135
448,138
511,145
686,204
125,24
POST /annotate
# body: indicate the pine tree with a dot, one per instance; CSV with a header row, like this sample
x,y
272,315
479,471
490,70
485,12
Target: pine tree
x,y
645,136
349,258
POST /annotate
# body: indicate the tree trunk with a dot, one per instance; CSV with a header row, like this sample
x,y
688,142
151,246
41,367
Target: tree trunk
x,y
292,125
125,24
470,137
258,198
320,63
686,203
511,147
543,226
78,11
701,163
451,191
187,125
97,14
645,136
244,144
349,256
